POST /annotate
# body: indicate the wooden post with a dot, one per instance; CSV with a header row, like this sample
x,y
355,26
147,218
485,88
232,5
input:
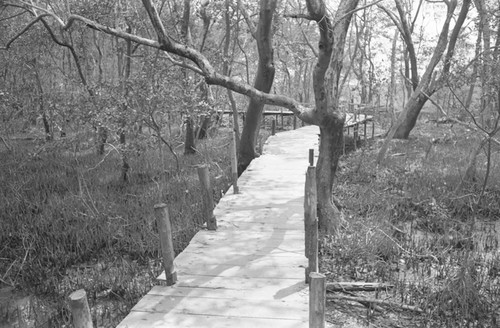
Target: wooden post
x,y
234,163
311,157
343,145
166,243
365,129
273,127
282,126
317,300
294,122
355,133
80,309
198,130
208,200
373,128
311,222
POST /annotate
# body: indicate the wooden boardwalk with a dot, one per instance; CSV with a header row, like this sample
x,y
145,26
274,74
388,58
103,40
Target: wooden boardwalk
x,y
251,271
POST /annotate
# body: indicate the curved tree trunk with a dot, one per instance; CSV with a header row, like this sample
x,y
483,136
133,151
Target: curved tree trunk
x,y
326,78
410,115
263,82
330,150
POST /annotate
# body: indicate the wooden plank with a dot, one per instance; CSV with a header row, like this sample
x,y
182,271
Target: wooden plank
x,y
268,286
271,251
181,320
291,293
238,260
236,236
245,271
271,309
228,224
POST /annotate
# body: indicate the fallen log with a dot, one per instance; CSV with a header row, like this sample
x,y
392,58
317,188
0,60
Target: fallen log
x,y
357,286
330,297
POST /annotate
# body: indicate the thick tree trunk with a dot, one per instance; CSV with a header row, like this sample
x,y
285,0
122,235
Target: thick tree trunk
x,y
410,115
263,82
189,143
330,151
102,137
125,163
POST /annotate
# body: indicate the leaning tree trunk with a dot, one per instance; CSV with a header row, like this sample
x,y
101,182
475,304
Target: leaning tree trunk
x,y
412,111
263,82
429,84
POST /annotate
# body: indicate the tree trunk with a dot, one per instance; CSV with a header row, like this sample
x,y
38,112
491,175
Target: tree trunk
x,y
330,150
227,69
326,78
125,163
189,144
428,84
392,87
46,127
102,137
410,115
263,82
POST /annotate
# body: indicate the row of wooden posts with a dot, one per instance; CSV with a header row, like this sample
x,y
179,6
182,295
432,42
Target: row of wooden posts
x,y
78,300
317,281
355,130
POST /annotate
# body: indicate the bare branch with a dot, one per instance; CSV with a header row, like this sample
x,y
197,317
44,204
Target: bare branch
x,y
156,21
393,18
251,25
349,14
45,11
111,31
300,15
313,49
24,30
183,64
204,67
13,16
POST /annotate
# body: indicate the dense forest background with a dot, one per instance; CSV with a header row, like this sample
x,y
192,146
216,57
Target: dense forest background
x,y
106,108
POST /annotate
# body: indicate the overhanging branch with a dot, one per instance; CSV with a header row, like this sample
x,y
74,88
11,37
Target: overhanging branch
x,y
24,30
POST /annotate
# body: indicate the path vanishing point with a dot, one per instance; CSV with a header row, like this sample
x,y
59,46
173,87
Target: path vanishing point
x,y
251,271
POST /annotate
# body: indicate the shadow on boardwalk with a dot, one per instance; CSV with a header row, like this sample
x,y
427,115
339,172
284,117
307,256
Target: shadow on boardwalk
x,y
251,271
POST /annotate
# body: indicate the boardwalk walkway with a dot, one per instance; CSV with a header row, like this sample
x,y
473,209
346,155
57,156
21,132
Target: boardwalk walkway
x,y
250,272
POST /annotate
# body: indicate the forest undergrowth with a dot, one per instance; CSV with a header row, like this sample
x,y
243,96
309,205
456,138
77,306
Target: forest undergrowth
x,y
415,224
69,222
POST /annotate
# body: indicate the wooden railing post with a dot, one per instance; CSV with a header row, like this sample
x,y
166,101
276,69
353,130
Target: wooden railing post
x,y
234,163
365,130
355,134
311,157
317,300
273,127
311,222
208,200
282,123
80,309
373,128
166,242
294,122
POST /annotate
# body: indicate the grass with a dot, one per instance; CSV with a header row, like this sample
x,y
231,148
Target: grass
x,y
413,223
69,222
